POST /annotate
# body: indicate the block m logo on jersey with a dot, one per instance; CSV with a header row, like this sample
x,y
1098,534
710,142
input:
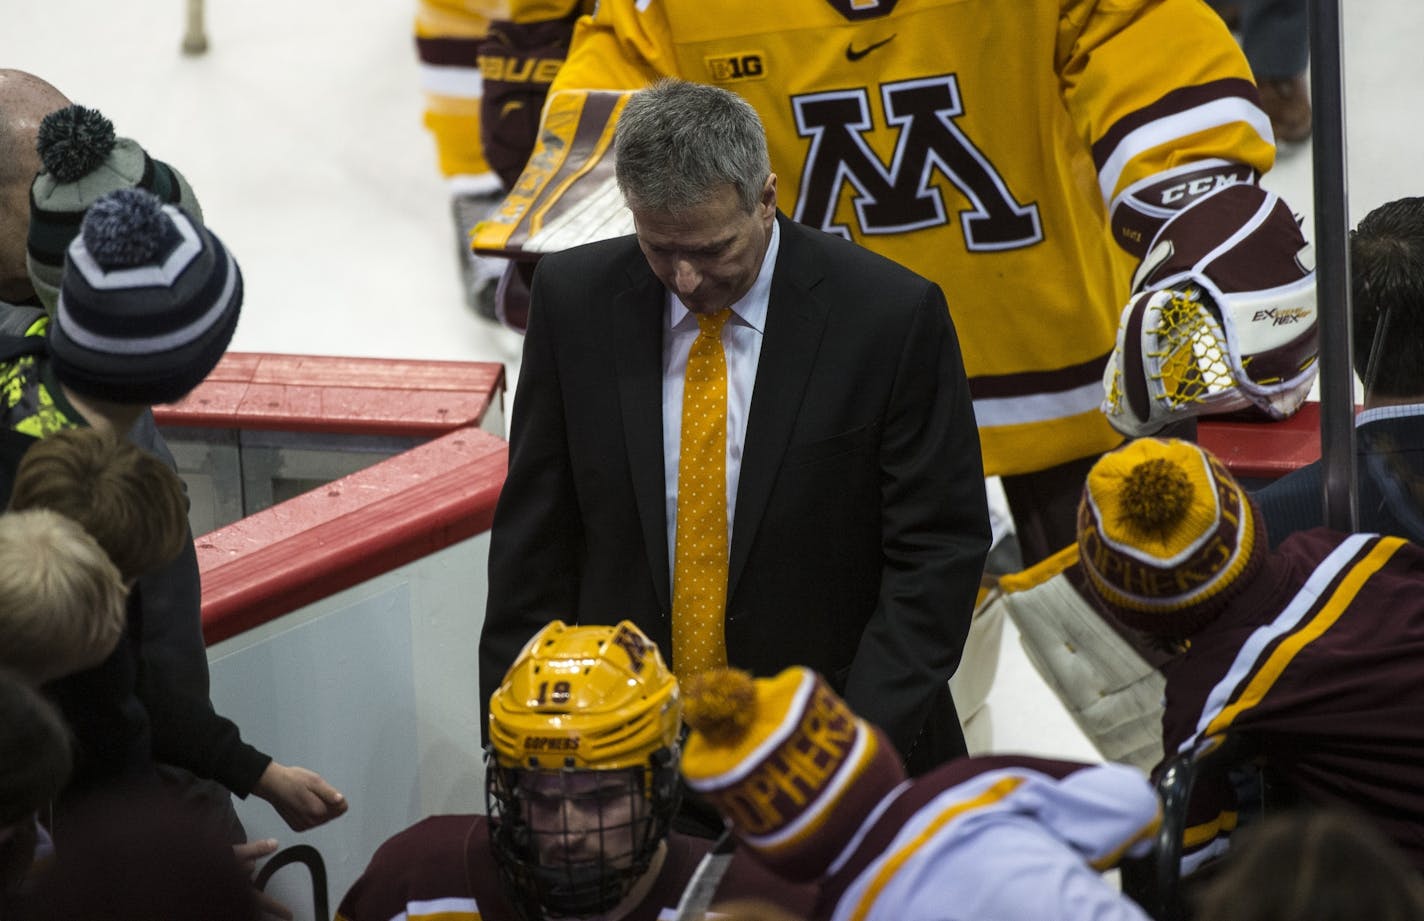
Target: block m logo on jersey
x,y
901,197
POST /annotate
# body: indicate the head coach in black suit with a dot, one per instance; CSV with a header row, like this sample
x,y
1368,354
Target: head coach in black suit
x,y
852,528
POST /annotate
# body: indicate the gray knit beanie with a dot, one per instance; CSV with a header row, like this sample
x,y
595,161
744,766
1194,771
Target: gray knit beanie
x,y
82,160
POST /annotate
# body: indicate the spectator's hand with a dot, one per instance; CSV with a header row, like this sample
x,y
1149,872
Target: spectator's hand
x,y
301,797
247,855
250,852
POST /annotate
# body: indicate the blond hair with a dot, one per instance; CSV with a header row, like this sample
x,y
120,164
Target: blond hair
x,y
62,600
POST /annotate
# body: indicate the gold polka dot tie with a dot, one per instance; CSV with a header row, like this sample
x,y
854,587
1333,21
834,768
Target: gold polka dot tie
x,y
699,579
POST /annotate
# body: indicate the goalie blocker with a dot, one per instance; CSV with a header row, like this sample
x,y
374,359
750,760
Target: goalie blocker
x,y
1222,316
566,196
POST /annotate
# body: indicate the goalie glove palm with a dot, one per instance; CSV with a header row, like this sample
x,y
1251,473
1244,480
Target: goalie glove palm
x,y
1222,316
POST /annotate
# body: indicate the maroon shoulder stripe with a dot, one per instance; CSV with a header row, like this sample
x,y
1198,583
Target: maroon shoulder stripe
x,y
449,52
1028,383
1179,100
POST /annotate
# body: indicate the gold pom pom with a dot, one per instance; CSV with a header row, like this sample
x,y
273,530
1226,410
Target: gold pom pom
x,y
720,704
1156,496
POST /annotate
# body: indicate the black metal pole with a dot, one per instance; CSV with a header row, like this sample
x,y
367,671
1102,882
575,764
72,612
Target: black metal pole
x,y
1332,259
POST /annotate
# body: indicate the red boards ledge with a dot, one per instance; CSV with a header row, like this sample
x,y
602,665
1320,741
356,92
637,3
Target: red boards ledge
x,y
349,396
1264,450
349,530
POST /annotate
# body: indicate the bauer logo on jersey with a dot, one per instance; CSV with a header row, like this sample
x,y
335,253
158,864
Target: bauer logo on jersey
x,y
734,68
516,69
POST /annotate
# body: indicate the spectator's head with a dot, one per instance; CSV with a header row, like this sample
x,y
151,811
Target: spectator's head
x,y
62,601
581,779
140,854
149,301
692,165
1313,865
35,760
1387,277
791,768
82,160
126,498
1167,538
24,101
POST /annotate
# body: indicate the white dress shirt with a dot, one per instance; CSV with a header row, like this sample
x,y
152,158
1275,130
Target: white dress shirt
x,y
741,343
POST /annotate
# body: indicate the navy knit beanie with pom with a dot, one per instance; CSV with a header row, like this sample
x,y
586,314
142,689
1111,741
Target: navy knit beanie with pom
x,y
82,159
148,303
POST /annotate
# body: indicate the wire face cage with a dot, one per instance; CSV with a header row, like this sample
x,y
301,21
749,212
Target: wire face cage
x,y
571,843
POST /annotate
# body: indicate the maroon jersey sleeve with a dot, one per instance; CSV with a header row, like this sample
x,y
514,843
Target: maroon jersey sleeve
x,y
424,862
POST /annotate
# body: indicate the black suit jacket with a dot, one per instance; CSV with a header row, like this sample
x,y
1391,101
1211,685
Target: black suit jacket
x,y
861,526
1389,477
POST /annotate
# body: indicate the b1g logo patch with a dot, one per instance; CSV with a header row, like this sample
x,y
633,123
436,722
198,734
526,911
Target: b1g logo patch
x,y
734,68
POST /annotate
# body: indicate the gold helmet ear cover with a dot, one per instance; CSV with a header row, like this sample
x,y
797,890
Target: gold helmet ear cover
x,y
595,697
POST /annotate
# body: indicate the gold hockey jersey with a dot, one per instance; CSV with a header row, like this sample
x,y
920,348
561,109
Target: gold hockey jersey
x,y
448,34
982,143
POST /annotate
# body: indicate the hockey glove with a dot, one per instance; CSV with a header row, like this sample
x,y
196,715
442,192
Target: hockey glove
x,y
1222,316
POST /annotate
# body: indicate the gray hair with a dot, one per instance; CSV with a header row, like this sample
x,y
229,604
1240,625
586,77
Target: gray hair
x,y
678,142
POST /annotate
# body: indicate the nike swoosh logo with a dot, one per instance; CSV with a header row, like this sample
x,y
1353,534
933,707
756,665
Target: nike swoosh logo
x,y
854,54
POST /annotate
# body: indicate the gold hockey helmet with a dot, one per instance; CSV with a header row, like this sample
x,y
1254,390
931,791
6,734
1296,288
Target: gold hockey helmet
x,y
595,697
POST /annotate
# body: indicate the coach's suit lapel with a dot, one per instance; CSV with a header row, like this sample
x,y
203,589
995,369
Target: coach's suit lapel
x,y
795,319
637,325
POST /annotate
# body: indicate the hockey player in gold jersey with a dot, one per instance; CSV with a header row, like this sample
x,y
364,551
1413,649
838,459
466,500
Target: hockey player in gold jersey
x,y
447,38
1024,156
459,56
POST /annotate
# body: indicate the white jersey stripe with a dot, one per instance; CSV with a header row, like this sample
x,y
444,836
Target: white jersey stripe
x,y
1290,617
1213,114
464,82
435,908
1191,862
1039,407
